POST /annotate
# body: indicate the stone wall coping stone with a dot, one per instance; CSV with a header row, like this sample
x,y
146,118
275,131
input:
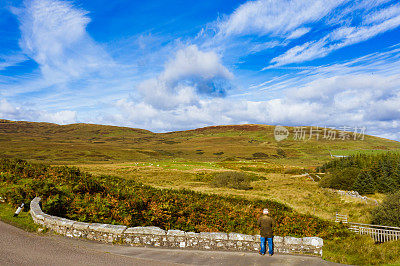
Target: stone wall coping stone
x,y
145,230
113,229
214,235
96,226
81,226
65,222
241,237
39,217
192,234
176,233
292,240
313,241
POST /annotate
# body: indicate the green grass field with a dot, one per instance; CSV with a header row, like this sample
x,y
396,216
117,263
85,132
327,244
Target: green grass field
x,y
23,220
361,250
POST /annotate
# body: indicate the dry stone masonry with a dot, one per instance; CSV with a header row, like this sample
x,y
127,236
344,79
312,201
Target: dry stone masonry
x,y
157,237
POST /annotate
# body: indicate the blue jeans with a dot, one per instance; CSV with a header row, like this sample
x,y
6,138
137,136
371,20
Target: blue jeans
x,y
270,245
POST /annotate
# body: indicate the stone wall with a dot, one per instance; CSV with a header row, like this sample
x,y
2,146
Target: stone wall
x,y
157,237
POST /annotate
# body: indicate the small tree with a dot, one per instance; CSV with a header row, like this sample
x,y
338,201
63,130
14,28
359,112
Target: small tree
x,y
388,213
364,183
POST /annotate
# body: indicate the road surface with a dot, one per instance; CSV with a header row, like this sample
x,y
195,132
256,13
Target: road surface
x,y
18,247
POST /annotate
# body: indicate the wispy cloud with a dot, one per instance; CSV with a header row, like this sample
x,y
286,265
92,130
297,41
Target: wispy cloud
x,y
53,34
278,18
11,60
373,24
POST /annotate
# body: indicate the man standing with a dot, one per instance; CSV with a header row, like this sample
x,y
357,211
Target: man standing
x,y
266,225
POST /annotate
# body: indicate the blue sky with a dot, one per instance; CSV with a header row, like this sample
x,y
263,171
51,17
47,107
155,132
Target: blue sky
x,y
176,65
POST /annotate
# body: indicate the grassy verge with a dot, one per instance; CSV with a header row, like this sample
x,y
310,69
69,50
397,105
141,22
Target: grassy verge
x,y
361,250
23,220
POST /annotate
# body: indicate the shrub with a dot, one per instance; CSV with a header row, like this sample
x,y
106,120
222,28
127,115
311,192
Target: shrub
x,y
260,155
76,195
388,213
294,171
340,178
232,179
377,173
281,153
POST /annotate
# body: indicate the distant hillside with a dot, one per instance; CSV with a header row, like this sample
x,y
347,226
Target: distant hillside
x,y
98,143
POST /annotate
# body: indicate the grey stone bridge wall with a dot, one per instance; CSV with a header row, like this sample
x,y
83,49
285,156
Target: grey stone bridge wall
x,y
157,237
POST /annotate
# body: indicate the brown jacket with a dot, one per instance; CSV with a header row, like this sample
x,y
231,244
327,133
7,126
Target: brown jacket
x,y
266,225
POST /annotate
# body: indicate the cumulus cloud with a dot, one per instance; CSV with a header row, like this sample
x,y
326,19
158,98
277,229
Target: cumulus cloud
x,y
16,112
61,117
189,73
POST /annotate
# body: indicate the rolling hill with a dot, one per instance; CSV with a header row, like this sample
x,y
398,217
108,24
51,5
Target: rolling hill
x,y
79,143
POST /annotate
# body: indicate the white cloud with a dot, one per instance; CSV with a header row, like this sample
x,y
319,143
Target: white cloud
x,y
351,100
374,24
257,47
336,95
61,117
53,33
189,73
11,60
275,17
14,112
300,53
6,109
298,33
191,62
382,15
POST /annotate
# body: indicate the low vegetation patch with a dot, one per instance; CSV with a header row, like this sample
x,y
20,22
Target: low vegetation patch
x,y
265,170
295,171
77,195
361,250
232,179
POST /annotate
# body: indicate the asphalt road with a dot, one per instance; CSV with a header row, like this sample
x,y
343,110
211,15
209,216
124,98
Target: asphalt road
x,y
18,247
